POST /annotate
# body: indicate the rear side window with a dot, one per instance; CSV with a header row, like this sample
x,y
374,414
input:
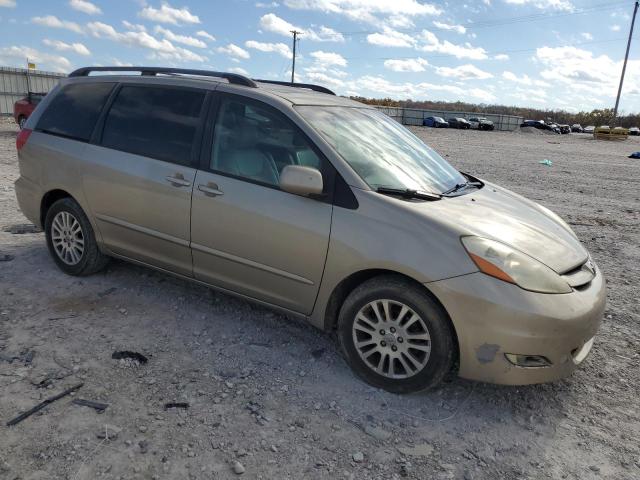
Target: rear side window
x,y
74,111
156,122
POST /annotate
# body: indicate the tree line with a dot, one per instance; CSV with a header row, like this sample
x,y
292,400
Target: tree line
x,y
596,117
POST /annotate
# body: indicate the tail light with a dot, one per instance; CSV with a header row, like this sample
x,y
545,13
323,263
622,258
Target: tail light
x,y
23,136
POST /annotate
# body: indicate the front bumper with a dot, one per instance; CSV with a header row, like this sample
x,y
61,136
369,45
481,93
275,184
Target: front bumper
x,y
493,318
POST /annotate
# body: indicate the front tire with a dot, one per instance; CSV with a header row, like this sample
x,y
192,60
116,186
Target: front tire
x,y
395,336
71,240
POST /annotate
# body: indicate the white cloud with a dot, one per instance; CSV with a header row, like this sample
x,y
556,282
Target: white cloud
x,y
168,14
272,23
8,3
208,36
463,72
328,59
85,7
323,78
433,44
183,39
501,56
367,10
162,48
379,86
54,22
400,21
615,28
279,48
586,36
571,64
267,5
234,51
524,79
406,65
239,70
446,26
78,48
391,38
544,4
134,26
43,61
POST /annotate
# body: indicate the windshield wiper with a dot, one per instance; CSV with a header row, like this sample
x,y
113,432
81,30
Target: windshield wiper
x,y
408,193
462,186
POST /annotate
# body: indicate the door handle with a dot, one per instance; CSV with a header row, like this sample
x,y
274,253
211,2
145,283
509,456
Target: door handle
x,y
178,181
210,189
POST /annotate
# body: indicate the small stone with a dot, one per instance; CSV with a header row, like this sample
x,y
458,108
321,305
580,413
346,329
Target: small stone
x,y
142,428
358,457
144,446
594,468
108,432
238,468
377,433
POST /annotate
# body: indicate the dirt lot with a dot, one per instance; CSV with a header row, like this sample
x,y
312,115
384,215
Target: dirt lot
x,y
273,394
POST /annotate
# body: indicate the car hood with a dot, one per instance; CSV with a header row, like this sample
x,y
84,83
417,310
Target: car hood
x,y
497,213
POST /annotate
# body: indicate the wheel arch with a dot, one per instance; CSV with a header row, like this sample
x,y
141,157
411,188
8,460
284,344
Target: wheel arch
x,y
49,198
348,284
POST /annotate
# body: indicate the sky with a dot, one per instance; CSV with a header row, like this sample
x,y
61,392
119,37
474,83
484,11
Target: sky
x,y
560,54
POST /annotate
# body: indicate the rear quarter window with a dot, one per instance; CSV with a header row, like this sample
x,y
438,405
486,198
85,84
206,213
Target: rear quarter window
x,y
74,111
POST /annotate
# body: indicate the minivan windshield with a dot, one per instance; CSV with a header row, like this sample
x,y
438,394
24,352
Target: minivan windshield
x,y
380,150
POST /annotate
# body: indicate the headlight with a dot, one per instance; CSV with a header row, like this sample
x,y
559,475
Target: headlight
x,y
510,265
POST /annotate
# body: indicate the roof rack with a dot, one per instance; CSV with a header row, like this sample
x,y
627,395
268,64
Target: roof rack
x,y
310,86
151,71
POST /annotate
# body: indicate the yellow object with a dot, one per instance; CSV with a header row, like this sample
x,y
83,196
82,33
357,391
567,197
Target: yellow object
x,y
606,133
31,66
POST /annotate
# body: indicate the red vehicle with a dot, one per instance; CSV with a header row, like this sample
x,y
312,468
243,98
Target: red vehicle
x,y
23,107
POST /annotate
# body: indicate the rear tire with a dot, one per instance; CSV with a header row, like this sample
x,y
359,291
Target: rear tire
x,y
395,336
71,240
21,121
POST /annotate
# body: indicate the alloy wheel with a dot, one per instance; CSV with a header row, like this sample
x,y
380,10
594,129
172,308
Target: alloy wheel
x,y
391,338
67,238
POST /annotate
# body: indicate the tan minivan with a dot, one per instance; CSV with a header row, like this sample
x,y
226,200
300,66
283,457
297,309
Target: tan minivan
x,y
318,206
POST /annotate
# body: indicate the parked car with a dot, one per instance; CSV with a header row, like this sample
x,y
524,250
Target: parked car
x,y
481,123
554,127
458,122
634,131
435,122
577,128
589,129
541,125
565,129
318,206
22,108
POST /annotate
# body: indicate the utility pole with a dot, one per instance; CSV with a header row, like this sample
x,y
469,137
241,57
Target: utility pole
x,y
624,65
293,65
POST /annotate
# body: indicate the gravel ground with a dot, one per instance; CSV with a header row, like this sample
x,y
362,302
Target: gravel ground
x,y
271,397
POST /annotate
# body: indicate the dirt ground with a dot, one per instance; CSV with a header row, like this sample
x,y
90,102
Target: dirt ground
x,y
271,396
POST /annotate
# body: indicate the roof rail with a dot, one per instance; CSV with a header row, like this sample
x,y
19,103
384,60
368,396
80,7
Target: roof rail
x,y
317,88
234,78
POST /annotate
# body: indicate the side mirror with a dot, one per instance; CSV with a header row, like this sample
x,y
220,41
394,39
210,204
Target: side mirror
x,y
301,180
